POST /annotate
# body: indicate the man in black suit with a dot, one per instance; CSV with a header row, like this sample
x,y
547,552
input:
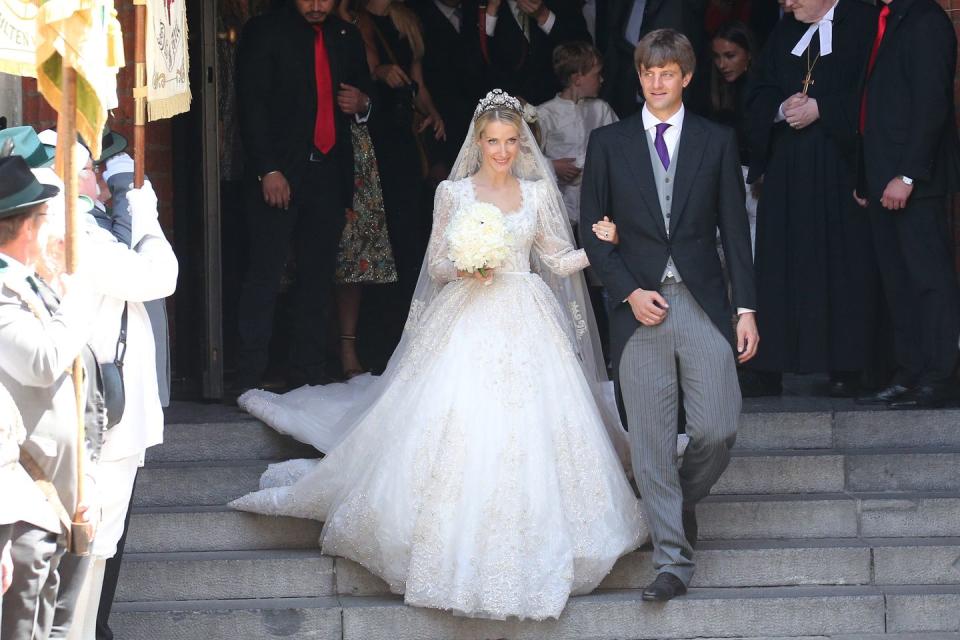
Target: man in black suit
x,y
302,76
670,179
520,38
909,165
625,23
453,68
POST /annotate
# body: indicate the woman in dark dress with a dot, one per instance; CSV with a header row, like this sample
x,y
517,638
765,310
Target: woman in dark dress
x,y
732,48
404,109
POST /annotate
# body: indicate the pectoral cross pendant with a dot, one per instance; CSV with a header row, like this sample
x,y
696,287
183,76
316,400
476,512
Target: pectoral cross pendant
x,y
808,80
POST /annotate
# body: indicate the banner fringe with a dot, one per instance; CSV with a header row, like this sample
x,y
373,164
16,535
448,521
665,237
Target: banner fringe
x,y
168,107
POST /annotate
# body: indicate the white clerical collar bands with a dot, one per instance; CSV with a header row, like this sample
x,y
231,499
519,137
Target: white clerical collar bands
x,y
498,99
825,28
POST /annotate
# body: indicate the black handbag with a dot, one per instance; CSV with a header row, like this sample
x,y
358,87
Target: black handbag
x,y
111,375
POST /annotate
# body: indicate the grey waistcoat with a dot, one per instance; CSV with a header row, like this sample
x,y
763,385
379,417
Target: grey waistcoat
x,y
665,179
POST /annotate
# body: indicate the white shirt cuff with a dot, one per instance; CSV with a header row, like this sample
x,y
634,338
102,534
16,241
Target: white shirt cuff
x,y
743,310
491,25
362,119
780,117
547,26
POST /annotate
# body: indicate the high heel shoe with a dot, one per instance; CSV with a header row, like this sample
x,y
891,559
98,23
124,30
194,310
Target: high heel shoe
x,y
353,372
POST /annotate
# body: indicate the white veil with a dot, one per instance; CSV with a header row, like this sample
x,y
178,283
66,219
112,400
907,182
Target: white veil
x,y
580,326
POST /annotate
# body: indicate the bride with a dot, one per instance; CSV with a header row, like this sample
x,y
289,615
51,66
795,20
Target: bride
x,y
482,473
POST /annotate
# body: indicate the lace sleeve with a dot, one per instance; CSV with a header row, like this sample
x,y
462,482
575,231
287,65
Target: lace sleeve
x,y
439,265
553,238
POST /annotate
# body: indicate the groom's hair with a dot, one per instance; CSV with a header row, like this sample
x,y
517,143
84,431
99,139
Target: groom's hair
x,y
663,46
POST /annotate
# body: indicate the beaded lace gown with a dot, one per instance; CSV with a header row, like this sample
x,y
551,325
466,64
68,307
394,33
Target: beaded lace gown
x,y
481,479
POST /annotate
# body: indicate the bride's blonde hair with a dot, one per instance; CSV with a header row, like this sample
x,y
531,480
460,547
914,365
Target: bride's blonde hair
x,y
505,115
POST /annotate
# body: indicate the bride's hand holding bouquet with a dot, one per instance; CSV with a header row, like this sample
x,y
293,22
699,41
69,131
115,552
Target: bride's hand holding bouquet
x,y
478,241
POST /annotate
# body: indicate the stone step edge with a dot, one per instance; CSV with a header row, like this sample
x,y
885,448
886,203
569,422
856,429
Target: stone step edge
x,y
736,453
752,411
837,496
893,635
705,545
712,593
842,451
724,498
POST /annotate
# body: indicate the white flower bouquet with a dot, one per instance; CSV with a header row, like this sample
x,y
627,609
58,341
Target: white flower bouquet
x,y
478,238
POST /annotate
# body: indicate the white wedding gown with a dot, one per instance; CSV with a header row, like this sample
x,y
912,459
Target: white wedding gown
x,y
481,479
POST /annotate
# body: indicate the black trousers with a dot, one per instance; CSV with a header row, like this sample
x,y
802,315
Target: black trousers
x,y
313,224
920,287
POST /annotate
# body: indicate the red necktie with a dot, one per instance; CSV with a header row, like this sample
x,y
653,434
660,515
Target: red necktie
x,y
881,28
324,131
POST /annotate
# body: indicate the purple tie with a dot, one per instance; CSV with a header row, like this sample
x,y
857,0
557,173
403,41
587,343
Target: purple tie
x,y
661,145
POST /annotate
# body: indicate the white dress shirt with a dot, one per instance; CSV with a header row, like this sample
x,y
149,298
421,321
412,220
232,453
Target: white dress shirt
x,y
450,13
590,17
672,135
546,27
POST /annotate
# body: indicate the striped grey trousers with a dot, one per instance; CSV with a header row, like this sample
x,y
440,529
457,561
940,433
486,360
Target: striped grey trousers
x,y
688,348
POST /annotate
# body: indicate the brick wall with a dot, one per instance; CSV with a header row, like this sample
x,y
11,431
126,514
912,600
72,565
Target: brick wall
x,y
159,158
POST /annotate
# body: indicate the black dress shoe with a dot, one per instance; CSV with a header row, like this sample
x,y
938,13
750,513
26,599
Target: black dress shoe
x,y
690,528
666,587
884,396
926,396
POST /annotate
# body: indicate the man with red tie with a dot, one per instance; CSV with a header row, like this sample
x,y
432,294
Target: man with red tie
x,y
302,76
909,164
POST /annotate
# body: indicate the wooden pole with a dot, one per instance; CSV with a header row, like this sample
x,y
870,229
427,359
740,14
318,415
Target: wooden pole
x,y
140,93
81,532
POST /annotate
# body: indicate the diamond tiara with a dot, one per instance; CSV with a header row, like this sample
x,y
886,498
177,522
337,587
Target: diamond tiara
x,y
498,99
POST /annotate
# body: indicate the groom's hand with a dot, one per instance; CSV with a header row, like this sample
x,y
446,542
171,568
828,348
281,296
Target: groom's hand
x,y
748,338
649,307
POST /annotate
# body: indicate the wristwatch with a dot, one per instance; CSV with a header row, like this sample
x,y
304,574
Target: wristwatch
x,y
907,181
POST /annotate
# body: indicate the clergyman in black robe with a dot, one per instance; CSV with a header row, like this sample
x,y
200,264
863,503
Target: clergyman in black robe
x,y
814,267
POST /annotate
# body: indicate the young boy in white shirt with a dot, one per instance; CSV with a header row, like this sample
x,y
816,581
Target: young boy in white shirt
x,y
567,120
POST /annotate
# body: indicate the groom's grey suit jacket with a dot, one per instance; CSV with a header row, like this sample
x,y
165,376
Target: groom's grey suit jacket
x,y
618,181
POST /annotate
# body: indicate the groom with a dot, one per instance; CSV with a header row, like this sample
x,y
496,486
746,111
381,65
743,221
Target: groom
x,y
669,180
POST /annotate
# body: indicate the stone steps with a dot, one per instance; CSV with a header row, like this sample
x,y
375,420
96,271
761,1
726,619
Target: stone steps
x,y
749,563
828,525
876,515
246,438
239,440
172,529
187,483
703,613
